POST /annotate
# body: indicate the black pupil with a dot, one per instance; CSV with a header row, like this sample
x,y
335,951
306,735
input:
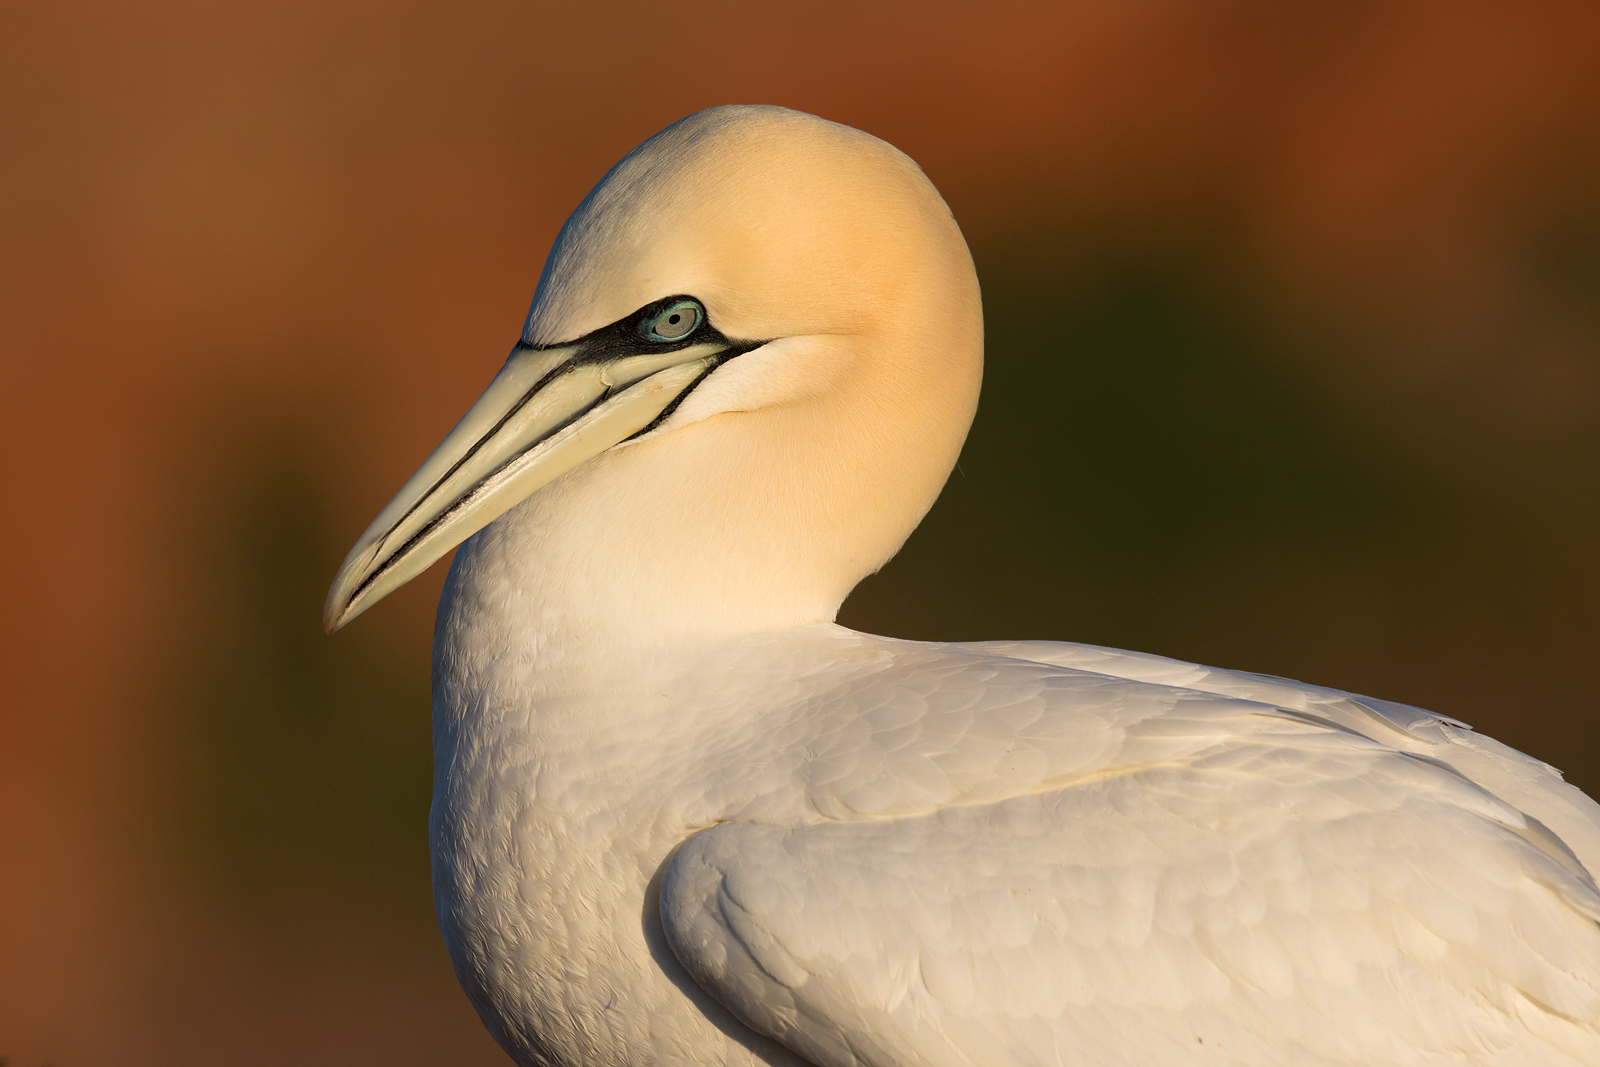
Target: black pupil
x,y
676,323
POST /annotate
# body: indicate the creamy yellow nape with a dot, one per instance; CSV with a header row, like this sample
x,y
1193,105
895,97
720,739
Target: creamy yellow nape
x,y
681,817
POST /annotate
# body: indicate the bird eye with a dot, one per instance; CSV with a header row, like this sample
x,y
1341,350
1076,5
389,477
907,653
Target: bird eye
x,y
675,323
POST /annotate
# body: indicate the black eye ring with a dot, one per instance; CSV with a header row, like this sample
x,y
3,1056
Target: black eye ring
x,y
674,323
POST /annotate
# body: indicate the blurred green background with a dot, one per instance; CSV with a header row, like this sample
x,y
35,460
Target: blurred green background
x,y
1293,366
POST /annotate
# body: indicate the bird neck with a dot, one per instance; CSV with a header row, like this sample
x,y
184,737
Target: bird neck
x,y
743,522
667,545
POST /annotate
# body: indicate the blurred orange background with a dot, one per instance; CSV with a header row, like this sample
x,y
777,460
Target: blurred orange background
x,y
1294,366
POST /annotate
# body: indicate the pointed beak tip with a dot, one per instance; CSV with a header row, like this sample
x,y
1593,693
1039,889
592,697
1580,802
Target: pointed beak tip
x,y
335,612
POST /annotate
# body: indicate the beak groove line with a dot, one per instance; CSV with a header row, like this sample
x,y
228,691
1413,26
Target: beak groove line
x,y
517,438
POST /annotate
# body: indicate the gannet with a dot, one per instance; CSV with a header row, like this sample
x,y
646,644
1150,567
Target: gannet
x,y
680,816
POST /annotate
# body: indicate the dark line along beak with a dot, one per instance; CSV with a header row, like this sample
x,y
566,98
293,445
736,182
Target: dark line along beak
x,y
547,411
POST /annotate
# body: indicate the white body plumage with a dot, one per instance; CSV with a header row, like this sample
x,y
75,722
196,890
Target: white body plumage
x,y
681,817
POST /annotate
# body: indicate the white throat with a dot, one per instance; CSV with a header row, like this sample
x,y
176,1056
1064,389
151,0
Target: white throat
x,y
618,558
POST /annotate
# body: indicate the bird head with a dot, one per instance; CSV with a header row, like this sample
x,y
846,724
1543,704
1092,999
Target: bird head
x,y
760,330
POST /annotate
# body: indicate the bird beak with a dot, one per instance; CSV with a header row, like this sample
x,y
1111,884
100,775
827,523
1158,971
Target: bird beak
x,y
548,410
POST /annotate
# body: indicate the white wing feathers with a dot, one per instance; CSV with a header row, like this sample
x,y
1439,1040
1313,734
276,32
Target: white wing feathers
x,y
1020,863
1530,785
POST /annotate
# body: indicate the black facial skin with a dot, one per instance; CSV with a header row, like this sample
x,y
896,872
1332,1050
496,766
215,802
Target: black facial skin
x,y
628,336
625,337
